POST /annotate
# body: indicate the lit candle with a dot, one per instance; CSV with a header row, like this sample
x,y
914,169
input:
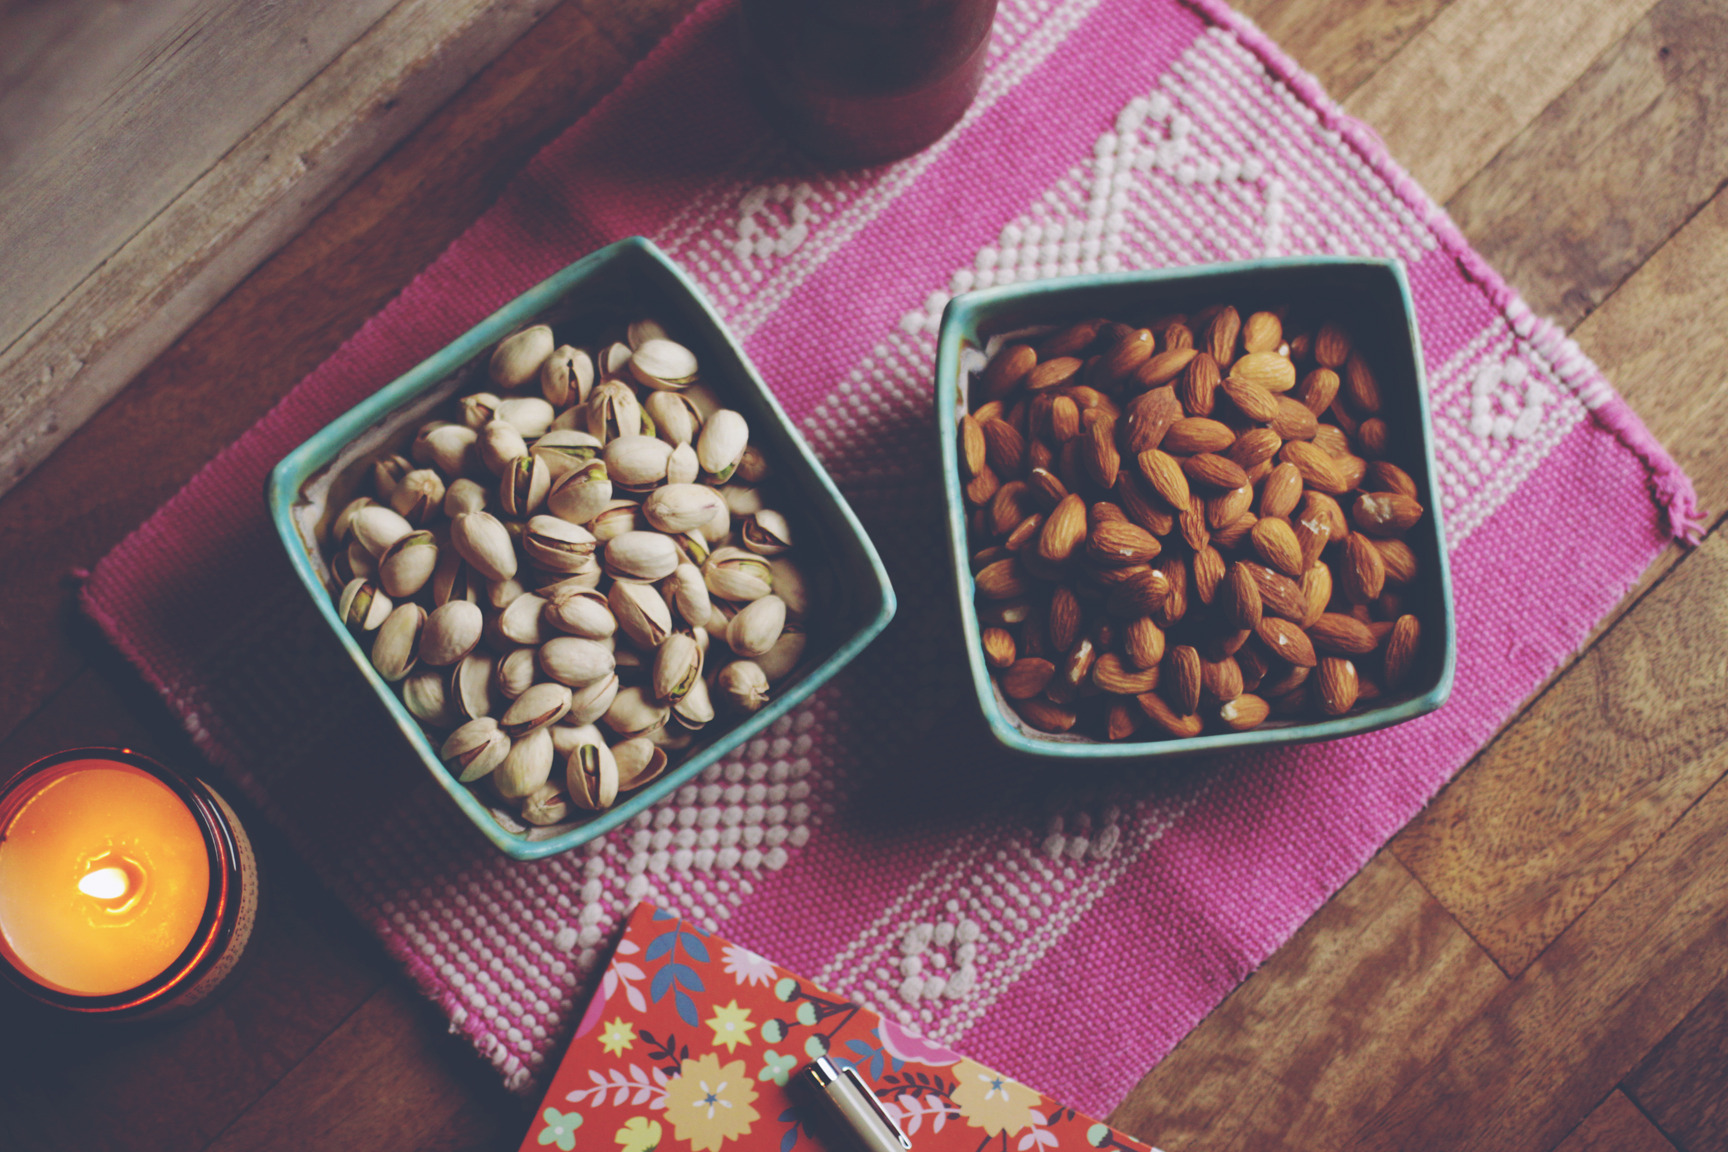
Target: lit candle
x,y
125,888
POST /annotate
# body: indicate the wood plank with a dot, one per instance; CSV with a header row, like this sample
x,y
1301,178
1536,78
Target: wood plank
x,y
1470,81
77,356
227,371
1342,43
1616,1126
1315,1042
1680,1084
1612,168
1535,1059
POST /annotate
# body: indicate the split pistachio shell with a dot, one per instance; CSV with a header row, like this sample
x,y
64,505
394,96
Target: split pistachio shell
x,y
425,692
527,766
363,606
589,704
582,494
677,666
523,487
719,619
742,499
613,411
447,448
640,761
565,450
672,738
500,443
681,466
766,533
575,662
617,518
515,672
591,774
343,525
641,613
500,594
662,363
547,804
376,527
778,662
395,648
644,330
722,443
744,685
521,620
518,358
470,687
352,563
451,633
478,409
640,556
695,708
634,714
686,591
681,507
387,473
613,360
454,579
637,463
566,377
581,612
718,529
676,420
586,577
484,542
463,495
475,749
757,627
408,565
752,466
541,705
736,575
529,415
558,545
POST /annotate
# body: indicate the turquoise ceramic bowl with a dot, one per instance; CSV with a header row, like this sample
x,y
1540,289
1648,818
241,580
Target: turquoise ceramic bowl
x,y
629,278
1375,295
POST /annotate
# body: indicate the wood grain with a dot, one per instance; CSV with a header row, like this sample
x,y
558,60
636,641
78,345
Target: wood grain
x,y
1610,169
1616,1126
76,356
1474,77
1680,1083
1310,1047
1342,44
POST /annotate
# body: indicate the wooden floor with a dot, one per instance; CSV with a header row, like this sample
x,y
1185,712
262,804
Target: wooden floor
x,y
1539,961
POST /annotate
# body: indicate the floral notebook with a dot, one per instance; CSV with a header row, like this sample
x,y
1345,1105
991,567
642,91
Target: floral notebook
x,y
690,1042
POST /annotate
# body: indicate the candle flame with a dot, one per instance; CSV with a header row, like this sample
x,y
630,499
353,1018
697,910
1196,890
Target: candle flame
x,y
105,883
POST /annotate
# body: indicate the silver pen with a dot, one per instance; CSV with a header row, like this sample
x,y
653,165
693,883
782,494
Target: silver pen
x,y
841,1092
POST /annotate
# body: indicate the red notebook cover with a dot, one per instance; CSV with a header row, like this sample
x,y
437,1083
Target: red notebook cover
x,y
690,1041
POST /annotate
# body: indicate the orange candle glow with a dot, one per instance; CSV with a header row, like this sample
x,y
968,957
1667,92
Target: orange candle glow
x,y
104,877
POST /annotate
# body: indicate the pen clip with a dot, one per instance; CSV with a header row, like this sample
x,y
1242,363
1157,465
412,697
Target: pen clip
x,y
876,1107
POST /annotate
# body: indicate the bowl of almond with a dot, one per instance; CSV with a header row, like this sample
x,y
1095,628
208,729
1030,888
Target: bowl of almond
x,y
1194,509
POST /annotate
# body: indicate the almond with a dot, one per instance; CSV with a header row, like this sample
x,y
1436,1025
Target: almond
x,y
1182,675
1227,507
1316,585
1318,469
1073,340
1398,558
1052,372
1175,603
1371,438
1360,387
1331,346
1330,439
1013,502
1385,513
1252,660
1263,332
1221,335
1200,382
1213,471
1221,679
1077,665
1301,347
1312,534
1122,719
1267,369
1003,580
1165,475
1275,542
1046,716
1364,573
1255,447
1318,389
998,647
1064,530
1163,367
1352,468
1026,678
1336,685
1046,487
1239,598
1143,642
1318,506
1286,641
1145,590
1112,674
1119,542
1401,645
1125,357
1039,455
1065,618
985,557
1384,476
1251,400
972,449
1193,523
1207,569
991,411
1064,419
1279,595
1285,678
1173,723
1235,532
1339,635
1025,533
1245,712
1098,453
1173,333
1149,417
1281,492
1294,421
1005,448
981,489
1193,434
1007,370
1103,511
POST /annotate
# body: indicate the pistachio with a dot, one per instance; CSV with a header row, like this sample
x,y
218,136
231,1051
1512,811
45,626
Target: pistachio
x,y
757,627
736,575
642,331
778,662
470,687
475,749
582,494
617,518
375,528
565,450
500,443
566,377
766,533
529,415
589,704
395,647
514,672
641,613
634,714
518,358
677,666
717,530
661,363
387,473
693,547
672,738
419,498
591,774
686,591
742,499
752,466
557,544
613,411
719,619
523,487
520,622
527,766
676,420
362,606
640,761
788,584
453,579
575,662
484,542
352,563
695,708
425,693
744,685
478,410
681,466
613,361
581,612
342,527
405,568
452,631
547,804
463,495
681,507
500,594
640,556
541,705
722,443
637,463
446,448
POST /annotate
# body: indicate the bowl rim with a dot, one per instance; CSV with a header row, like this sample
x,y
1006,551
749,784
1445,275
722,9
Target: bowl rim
x,y
967,310
307,459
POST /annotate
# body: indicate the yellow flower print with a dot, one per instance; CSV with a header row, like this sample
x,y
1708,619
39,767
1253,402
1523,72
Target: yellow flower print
x,y
618,1037
731,1026
710,1103
639,1134
991,1101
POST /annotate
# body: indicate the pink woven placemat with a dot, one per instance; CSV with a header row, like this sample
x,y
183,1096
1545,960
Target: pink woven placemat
x,y
1104,917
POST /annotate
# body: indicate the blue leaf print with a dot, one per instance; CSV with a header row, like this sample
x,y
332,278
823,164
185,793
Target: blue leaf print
x,y
662,914
662,981
687,977
693,945
789,1116
660,946
788,1140
686,1006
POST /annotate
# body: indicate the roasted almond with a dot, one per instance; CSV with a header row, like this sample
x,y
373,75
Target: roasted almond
x,y
1007,370
1262,332
1098,452
1213,471
1221,679
1266,369
1182,676
1385,513
1005,448
972,447
1384,476
1119,542
1281,492
1279,595
1318,389
1235,532
998,648
1221,335
1165,475
1207,569
1126,356
1239,597
1293,420
1025,533
1251,400
1073,340
1401,646
1399,560
1286,641
1173,723
1122,719
1064,419
1331,346
1046,716
1275,543
1254,447
1371,438
1113,674
1149,416
1065,618
1046,487
1163,367
1316,585
1226,507
1173,333
1360,390
1336,634
1193,524
1003,580
1143,505
1244,712
1052,372
1336,685
1174,606
1364,573
1199,388
1139,595
1318,506
1013,502
1193,434
1026,677
1064,530
1103,512
981,489
1143,642
1283,679
1319,470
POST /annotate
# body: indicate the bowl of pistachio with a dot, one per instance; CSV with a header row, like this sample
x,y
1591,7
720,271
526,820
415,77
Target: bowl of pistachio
x,y
580,554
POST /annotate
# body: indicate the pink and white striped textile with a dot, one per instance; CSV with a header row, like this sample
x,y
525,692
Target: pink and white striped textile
x,y
1066,931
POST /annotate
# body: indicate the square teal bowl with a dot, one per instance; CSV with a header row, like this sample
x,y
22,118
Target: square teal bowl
x,y
1375,297
631,277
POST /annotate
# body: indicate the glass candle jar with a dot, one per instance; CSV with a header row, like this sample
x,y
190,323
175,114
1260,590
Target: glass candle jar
x,y
865,81
127,890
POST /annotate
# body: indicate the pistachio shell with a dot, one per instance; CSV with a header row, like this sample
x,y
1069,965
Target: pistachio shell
x,y
718,529
634,714
640,556
744,685
778,662
478,410
589,704
501,593
639,333
397,643
640,761
343,526
591,774
463,495
742,499
558,545
484,542
470,687
529,415
766,533
757,627
520,622
575,662
617,518
613,360
681,507
566,377
752,466
695,709
446,448
363,606
518,358
677,666
454,579
514,672
676,420
641,613
387,473
661,363
613,411
581,612
527,766
475,749
500,443
565,450
426,695
637,463
547,804
736,575
523,487
681,466
408,565
376,527
452,631
722,443
541,705
686,591
582,494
